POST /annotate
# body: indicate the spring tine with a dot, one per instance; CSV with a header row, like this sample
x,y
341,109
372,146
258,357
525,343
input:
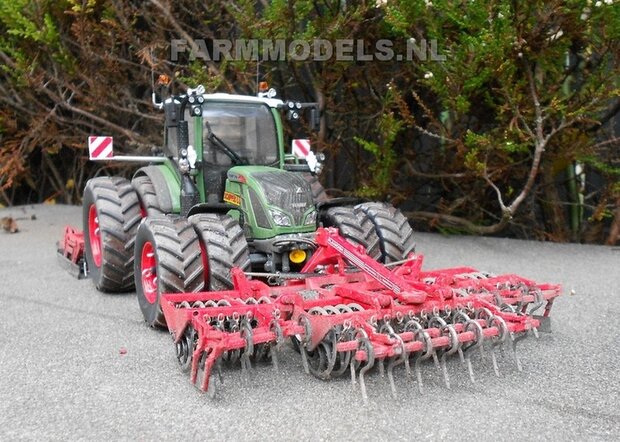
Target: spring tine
x,y
369,364
352,365
418,373
494,359
535,331
470,368
274,357
514,340
444,369
381,369
436,360
363,387
407,367
478,342
390,374
461,355
396,361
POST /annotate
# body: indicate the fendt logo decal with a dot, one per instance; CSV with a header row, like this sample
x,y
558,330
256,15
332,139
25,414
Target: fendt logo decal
x,y
232,198
363,266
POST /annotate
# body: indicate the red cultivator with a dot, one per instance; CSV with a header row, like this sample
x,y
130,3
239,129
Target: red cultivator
x,y
345,318
70,251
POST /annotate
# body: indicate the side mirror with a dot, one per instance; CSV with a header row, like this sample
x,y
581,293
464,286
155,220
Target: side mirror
x,y
315,119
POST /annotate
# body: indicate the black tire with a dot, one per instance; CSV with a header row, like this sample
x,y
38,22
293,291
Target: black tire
x,y
318,192
175,260
111,215
396,239
353,224
146,194
224,247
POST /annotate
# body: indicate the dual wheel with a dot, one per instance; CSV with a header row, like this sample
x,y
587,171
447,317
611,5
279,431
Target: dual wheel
x,y
178,255
380,228
162,254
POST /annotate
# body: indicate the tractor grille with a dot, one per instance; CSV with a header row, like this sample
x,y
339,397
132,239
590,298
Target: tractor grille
x,y
286,190
259,211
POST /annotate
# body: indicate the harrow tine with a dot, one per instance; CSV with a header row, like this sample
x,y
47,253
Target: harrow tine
x,y
514,341
494,359
381,369
479,333
396,361
245,330
274,357
455,345
364,344
369,364
444,369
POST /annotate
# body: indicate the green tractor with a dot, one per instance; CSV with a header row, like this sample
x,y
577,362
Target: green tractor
x,y
222,194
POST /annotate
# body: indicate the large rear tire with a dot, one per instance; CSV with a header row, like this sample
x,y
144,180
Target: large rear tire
x,y
353,224
223,247
167,261
145,190
111,215
396,239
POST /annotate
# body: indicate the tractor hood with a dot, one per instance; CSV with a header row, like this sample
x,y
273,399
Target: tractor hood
x,y
280,200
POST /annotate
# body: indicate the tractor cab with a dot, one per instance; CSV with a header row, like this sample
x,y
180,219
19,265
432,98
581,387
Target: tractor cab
x,y
232,133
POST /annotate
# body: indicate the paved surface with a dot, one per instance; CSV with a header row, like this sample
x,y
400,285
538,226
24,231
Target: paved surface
x,y
63,375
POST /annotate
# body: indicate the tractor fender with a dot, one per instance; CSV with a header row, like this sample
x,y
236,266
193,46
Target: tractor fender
x,y
322,206
166,186
222,208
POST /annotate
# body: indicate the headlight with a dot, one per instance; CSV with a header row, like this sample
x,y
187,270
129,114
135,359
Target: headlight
x,y
281,219
311,218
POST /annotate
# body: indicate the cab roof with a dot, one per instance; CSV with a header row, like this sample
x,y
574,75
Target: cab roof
x,y
271,102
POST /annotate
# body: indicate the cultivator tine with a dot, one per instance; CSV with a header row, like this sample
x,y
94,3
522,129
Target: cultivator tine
x,y
514,340
365,345
404,356
245,331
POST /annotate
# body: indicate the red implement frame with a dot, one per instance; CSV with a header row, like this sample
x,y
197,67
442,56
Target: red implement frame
x,y
346,318
70,251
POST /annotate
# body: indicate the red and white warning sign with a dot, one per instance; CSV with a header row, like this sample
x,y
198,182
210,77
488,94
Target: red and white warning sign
x,y
100,148
301,148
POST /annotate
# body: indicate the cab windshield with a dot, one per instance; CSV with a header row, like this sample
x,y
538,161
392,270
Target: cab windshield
x,y
247,129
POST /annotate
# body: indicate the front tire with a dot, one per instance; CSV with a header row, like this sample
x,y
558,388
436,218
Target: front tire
x,y
111,215
223,247
167,261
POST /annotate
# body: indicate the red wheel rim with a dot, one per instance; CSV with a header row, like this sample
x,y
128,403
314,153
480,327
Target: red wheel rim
x,y
94,235
205,263
148,267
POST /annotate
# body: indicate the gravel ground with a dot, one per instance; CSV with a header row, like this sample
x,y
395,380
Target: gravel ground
x,y
65,374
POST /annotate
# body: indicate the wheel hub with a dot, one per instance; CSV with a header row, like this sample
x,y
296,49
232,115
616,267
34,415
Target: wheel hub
x,y
148,268
94,235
